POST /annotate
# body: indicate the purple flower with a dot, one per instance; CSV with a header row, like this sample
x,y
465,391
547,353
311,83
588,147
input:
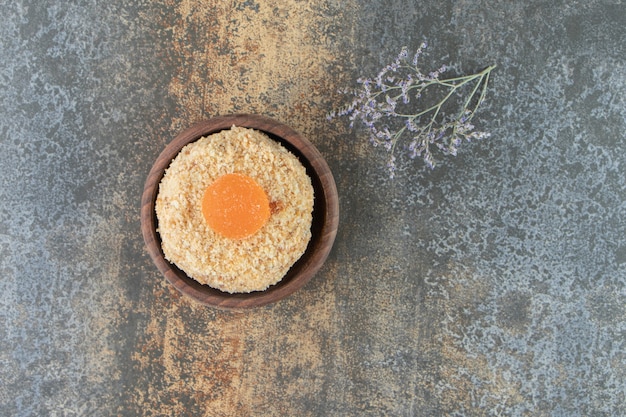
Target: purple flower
x,y
384,107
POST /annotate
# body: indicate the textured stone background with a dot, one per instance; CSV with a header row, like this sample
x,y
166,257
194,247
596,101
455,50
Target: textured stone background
x,y
494,285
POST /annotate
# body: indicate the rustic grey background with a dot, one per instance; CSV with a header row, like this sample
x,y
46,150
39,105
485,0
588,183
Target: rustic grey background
x,y
494,285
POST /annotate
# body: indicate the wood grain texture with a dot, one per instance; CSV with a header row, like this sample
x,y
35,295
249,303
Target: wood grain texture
x,y
323,228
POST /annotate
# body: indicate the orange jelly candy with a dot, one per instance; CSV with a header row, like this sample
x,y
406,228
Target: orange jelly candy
x,y
235,206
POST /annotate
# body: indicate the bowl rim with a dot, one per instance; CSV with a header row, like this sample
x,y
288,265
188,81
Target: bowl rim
x,y
325,213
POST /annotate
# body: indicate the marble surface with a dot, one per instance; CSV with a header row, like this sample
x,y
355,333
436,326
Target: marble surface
x,y
494,285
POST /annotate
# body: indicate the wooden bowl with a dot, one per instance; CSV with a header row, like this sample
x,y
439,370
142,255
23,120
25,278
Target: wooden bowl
x,y
323,228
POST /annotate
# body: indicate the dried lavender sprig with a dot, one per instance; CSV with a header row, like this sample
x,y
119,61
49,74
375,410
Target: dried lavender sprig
x,y
383,105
